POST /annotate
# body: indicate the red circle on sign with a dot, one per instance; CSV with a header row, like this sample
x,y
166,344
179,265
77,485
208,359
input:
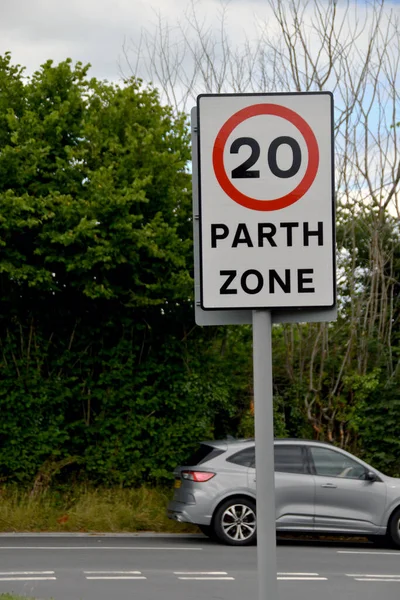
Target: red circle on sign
x,y
254,111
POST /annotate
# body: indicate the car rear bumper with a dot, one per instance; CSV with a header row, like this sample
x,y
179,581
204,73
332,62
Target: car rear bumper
x,y
187,513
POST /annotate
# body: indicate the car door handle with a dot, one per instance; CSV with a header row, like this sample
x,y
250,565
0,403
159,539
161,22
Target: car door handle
x,y
330,486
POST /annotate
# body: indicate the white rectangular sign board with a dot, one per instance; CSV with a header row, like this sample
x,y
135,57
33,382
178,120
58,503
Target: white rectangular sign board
x,y
266,195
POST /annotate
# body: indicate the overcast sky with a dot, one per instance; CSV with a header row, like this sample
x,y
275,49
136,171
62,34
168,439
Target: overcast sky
x,y
92,30
95,31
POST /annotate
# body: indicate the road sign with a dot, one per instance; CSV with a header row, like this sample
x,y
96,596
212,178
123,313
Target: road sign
x,y
266,201
236,316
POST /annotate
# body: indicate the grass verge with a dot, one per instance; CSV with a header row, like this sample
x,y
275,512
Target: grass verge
x,y
86,510
12,597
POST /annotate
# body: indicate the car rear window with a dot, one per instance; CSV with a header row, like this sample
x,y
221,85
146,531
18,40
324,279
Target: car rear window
x,y
245,458
202,454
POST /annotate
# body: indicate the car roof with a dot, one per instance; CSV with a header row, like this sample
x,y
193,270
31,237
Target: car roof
x,y
303,441
248,441
228,442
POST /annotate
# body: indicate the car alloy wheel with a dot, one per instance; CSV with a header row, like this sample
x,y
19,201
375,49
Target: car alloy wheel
x,y
236,523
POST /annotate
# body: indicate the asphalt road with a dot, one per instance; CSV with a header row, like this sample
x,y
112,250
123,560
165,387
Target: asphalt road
x,y
189,568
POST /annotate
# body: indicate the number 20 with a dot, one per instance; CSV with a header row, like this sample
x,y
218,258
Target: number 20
x,y
243,170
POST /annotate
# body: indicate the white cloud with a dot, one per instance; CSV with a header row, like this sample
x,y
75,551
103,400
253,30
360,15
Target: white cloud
x,y
87,30
95,30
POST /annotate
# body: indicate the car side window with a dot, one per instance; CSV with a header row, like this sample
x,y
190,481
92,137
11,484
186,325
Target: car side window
x,y
290,459
330,463
244,458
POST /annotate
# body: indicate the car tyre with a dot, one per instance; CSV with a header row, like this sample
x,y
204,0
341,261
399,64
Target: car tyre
x,y
394,529
235,522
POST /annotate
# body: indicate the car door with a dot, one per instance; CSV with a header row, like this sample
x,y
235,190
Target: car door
x,y
294,488
344,500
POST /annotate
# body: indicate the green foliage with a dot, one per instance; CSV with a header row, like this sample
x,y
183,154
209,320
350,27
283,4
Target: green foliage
x,y
378,426
246,425
103,374
93,188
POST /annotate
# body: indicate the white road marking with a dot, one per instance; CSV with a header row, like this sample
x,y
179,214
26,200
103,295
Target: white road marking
x,y
27,573
200,573
369,552
301,574
28,578
381,580
188,548
113,577
203,576
302,579
206,578
112,572
368,575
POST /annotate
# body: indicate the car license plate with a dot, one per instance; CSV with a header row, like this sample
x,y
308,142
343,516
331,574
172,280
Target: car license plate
x,y
177,483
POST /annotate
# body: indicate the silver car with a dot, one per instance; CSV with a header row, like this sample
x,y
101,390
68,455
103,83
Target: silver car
x,y
318,489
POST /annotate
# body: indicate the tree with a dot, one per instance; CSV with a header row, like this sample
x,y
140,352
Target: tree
x,y
102,372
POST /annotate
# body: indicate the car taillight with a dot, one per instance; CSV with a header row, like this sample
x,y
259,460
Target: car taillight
x,y
197,475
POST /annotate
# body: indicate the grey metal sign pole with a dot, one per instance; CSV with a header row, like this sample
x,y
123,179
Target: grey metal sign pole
x,y
264,433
